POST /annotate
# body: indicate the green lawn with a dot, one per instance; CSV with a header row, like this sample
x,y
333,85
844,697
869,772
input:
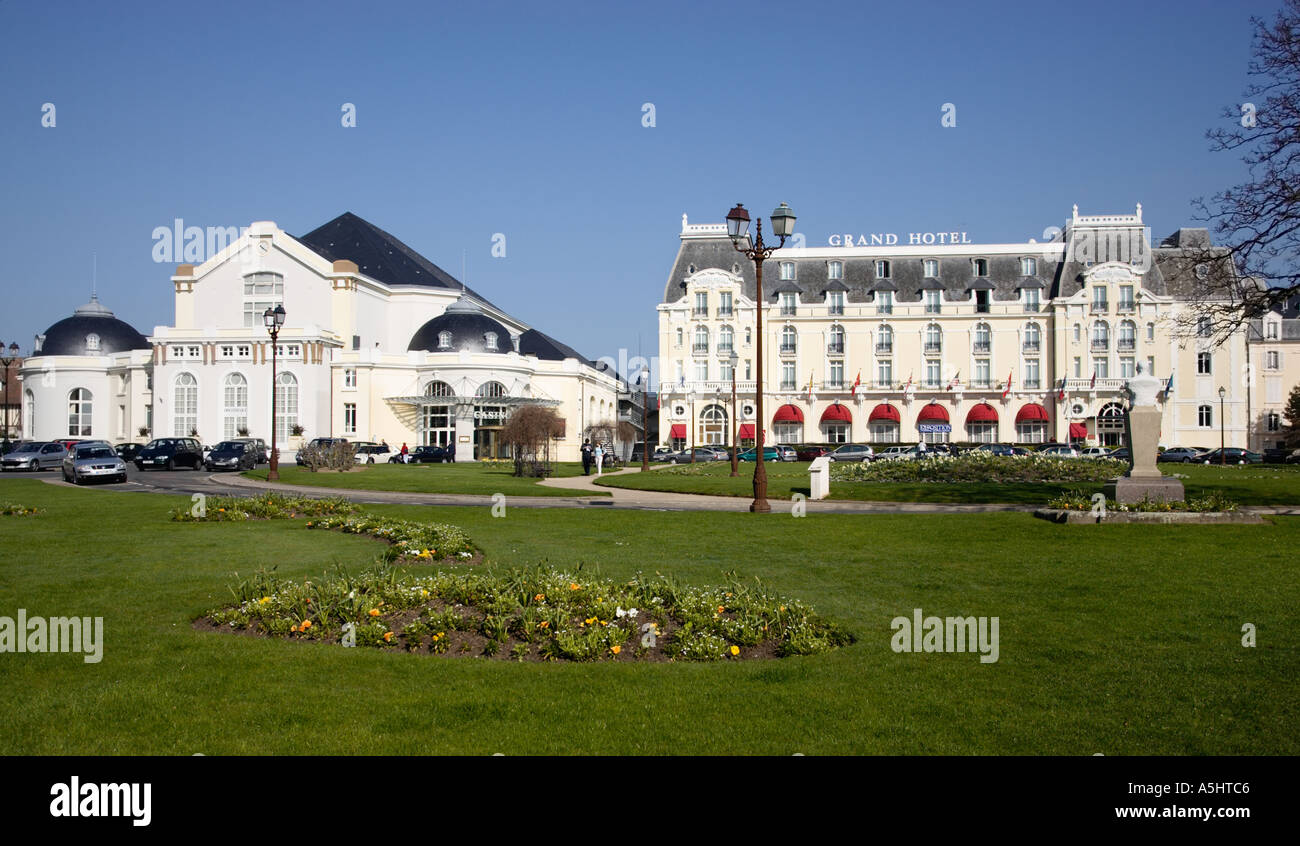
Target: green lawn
x,y
464,478
1116,639
1258,484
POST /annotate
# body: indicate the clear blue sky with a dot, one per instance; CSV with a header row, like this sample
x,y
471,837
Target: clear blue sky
x,y
525,119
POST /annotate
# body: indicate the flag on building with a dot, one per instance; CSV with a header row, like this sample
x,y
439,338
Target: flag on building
x,y
1093,384
857,382
1169,386
1061,394
810,383
956,380
1006,390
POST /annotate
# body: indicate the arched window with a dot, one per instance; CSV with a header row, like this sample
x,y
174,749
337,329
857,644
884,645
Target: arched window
x,y
1033,337
933,338
701,344
29,415
1101,335
713,426
1151,331
437,426
788,339
80,406
983,338
234,405
836,345
885,341
1205,416
1110,424
438,389
490,390
444,340
726,338
286,404
1127,335
185,405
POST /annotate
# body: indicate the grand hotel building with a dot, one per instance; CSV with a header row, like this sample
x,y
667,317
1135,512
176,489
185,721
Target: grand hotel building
x,y
1021,343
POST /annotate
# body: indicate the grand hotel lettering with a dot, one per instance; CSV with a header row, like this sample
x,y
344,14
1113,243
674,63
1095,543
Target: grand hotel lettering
x,y
890,239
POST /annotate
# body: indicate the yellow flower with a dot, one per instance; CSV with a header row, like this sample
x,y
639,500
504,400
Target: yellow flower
x,y
293,628
616,649
573,585
783,608
543,625
735,650
388,637
539,597
721,609
374,612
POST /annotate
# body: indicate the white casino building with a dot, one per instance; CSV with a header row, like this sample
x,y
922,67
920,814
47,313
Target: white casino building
x,y
379,344
881,343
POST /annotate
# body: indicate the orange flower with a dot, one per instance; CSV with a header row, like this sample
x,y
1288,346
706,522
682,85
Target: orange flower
x,y
544,625
388,637
293,628
616,649
374,612
721,609
573,585
306,624
539,597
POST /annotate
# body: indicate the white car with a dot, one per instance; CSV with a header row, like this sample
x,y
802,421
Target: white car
x,y
1060,452
1096,452
895,452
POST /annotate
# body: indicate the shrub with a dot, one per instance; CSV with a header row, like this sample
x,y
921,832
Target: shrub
x,y
340,456
267,506
980,467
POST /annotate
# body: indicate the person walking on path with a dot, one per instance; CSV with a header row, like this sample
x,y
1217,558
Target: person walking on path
x,y
586,458
600,455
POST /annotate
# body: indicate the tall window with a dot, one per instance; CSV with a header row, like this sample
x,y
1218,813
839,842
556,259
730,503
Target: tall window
x,y
286,404
1205,416
930,267
933,338
261,291
1031,380
885,341
490,340
444,340
933,303
1126,298
702,370
787,376
837,373
713,426
983,338
835,302
436,424
1099,298
932,372
1127,335
884,374
1033,337
1101,366
882,269
1272,360
884,302
1274,421
29,416
788,339
787,303
1126,363
980,266
349,377
1204,327
1028,266
701,344
836,343
185,405
1203,364
1101,335
80,406
349,418
701,303
724,304
835,270
726,370
982,373
787,270
1033,300
726,338
234,405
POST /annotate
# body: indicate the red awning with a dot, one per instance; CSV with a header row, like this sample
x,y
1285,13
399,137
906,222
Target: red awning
x,y
678,431
982,413
1078,430
933,411
746,431
788,414
1032,413
837,414
885,411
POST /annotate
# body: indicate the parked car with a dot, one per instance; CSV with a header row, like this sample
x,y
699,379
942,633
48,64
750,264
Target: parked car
x,y
37,455
661,453
1281,455
1178,455
369,452
170,453
1231,455
701,454
769,454
811,452
852,452
261,452
231,455
93,461
1096,452
895,451
431,453
128,451
1060,451
1121,454
8,446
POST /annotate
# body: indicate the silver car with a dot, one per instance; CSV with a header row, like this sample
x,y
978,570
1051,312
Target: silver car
x,y
39,455
93,461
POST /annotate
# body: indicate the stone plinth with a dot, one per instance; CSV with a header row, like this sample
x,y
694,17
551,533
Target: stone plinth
x,y
1143,479
819,477
1127,490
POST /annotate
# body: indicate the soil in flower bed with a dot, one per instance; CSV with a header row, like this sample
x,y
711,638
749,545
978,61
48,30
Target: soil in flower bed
x,y
531,615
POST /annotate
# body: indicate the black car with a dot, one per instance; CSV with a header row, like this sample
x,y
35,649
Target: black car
x,y
128,451
232,455
261,452
429,454
170,453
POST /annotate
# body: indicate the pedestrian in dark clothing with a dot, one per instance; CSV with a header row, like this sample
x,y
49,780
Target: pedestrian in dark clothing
x,y
587,458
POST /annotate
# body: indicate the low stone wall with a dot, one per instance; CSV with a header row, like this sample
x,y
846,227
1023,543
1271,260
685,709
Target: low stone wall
x,y
1061,515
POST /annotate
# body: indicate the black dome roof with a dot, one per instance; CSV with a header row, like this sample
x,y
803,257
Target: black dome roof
x,y
77,335
467,325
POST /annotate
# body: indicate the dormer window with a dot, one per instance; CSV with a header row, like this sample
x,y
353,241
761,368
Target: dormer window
x,y
1028,266
444,340
490,340
930,268
787,270
882,269
980,267
92,342
835,270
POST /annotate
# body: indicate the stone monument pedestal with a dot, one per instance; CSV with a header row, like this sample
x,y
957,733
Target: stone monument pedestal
x,y
1143,479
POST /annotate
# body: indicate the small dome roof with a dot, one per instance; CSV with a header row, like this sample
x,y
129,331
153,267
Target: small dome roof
x,y
91,330
468,328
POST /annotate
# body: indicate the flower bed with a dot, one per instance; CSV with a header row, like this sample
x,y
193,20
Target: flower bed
x,y
1078,500
538,614
9,509
979,467
409,541
267,506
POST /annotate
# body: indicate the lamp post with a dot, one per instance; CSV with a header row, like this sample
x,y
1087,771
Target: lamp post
x,y
691,396
735,426
737,227
6,362
1222,423
645,421
274,319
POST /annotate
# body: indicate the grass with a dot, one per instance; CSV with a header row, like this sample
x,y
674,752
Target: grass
x,y
1258,484
1116,639
463,478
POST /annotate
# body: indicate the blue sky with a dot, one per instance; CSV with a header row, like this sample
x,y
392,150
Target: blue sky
x,y
526,119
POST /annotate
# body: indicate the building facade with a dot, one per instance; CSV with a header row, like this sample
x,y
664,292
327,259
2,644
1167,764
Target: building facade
x,y
1274,350
379,344
1011,343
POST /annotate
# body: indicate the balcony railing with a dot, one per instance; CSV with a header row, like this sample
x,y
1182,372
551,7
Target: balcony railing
x,y
1100,307
725,311
980,383
982,346
835,310
834,385
1100,344
789,311
1031,308
884,309
835,348
1103,384
1031,384
724,349
884,349
1031,346
1126,307
700,311
789,349
933,346
787,386
933,308
1127,344
700,349
883,384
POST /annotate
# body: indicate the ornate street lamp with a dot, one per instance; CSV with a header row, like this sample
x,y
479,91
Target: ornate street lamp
x,y
274,319
735,426
692,399
645,421
5,363
1222,423
737,227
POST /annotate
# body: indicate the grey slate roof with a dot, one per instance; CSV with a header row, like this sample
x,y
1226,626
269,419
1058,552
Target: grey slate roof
x,y
467,324
68,336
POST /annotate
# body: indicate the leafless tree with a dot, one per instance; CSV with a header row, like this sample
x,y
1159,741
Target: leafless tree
x,y
1258,221
529,431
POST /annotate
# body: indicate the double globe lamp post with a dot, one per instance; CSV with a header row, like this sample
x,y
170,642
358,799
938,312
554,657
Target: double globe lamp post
x,y
738,228
274,319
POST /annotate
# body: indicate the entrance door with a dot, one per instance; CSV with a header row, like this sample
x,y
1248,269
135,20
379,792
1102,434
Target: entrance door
x,y
488,444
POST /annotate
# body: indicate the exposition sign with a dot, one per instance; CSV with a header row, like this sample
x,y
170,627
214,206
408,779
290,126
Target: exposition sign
x,y
933,428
